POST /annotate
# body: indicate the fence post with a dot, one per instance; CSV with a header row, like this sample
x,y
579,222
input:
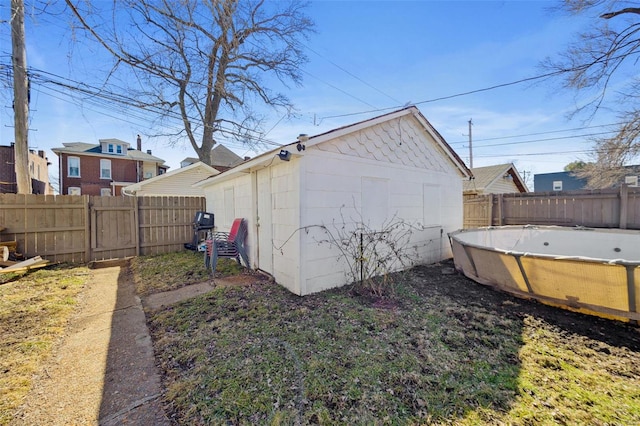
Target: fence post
x,y
136,221
500,209
624,201
87,229
490,210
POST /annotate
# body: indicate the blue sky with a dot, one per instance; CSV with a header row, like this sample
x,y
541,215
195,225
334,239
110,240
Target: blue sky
x,y
366,58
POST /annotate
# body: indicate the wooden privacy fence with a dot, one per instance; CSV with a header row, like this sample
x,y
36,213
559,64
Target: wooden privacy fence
x,y
83,228
603,208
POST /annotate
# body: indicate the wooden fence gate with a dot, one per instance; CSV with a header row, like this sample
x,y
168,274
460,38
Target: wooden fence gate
x,y
78,229
114,227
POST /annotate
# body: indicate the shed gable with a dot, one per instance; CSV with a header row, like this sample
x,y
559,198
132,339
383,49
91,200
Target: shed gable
x,y
401,141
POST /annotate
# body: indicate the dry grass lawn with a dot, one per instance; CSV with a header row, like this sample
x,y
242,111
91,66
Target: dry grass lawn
x,y
35,308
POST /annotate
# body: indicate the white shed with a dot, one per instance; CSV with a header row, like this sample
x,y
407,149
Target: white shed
x,y
392,166
175,182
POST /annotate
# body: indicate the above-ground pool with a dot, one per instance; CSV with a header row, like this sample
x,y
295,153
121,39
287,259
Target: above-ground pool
x,y
595,271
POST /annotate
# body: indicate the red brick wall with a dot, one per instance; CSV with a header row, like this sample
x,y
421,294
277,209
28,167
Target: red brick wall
x,y
8,173
89,181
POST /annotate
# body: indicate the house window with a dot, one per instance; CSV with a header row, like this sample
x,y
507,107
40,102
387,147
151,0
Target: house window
x,y
148,175
105,169
557,185
119,149
73,167
631,180
73,190
110,149
105,192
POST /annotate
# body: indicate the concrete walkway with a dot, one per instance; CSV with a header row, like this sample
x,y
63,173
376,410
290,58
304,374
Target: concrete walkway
x,y
104,371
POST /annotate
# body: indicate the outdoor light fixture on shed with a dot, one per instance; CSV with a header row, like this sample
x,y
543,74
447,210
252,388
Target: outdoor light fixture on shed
x,y
302,138
284,155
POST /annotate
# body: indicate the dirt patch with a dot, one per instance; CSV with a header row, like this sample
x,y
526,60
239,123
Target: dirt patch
x,y
430,282
168,298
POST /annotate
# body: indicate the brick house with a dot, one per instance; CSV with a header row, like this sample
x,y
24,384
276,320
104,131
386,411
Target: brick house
x,y
103,169
38,171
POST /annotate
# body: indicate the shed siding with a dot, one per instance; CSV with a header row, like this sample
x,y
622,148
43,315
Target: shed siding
x,y
326,186
333,193
179,184
242,207
285,216
502,186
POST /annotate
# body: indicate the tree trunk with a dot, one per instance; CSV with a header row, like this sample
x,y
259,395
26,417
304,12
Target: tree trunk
x,y
20,97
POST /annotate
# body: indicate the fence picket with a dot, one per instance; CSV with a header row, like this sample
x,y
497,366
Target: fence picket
x,y
78,229
604,208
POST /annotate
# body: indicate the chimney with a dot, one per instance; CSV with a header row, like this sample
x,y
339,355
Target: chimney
x,y
149,151
139,141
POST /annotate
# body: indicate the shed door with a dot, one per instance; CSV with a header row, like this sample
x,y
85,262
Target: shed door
x,y
264,222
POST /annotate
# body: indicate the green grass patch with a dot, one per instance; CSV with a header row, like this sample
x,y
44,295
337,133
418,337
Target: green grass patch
x,y
260,355
34,311
164,272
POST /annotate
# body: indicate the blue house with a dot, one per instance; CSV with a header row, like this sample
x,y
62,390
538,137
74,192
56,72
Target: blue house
x,y
566,181
559,181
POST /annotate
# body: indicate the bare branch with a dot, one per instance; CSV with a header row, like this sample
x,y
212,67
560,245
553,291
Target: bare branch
x,y
599,60
610,15
203,61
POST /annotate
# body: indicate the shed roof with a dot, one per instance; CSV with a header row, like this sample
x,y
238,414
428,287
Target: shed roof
x,y
484,177
266,157
199,166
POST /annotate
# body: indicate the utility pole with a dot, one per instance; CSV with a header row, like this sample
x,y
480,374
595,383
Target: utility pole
x,y
20,97
470,146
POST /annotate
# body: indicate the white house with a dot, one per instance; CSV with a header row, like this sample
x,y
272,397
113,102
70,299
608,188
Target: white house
x,y
175,182
392,166
496,179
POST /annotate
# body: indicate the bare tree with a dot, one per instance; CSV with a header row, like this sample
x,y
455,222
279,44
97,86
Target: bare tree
x,y
599,65
204,61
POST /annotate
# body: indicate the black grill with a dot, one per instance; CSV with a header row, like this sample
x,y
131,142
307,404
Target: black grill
x,y
202,222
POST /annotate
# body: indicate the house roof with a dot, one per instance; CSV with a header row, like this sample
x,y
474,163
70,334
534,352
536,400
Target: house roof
x,y
267,157
198,166
222,156
84,148
484,177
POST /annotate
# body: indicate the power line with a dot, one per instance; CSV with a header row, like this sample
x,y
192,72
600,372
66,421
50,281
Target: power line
x,y
339,89
442,98
105,100
485,89
532,154
542,140
538,133
351,74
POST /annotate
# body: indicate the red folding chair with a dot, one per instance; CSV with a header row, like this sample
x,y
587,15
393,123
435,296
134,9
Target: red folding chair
x,y
227,244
